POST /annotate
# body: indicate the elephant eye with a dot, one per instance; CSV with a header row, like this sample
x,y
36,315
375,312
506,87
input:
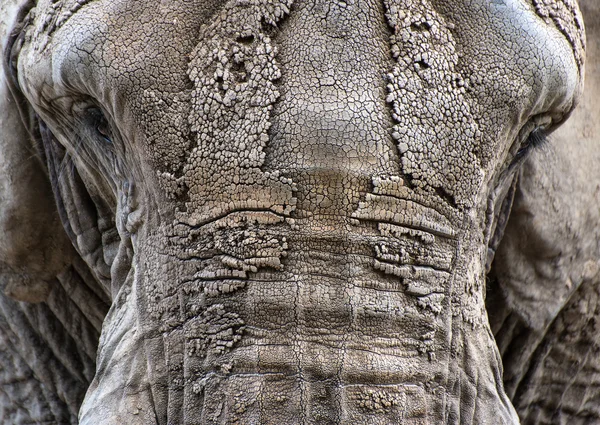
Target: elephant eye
x,y
535,139
99,123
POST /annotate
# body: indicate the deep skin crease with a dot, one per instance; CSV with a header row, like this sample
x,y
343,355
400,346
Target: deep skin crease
x,y
289,204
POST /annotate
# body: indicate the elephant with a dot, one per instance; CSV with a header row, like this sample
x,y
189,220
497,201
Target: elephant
x,y
189,236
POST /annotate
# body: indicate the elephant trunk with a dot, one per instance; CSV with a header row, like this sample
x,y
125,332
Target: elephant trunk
x,y
259,317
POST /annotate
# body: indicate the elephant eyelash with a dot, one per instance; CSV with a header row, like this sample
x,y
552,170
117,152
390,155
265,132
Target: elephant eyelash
x,y
535,139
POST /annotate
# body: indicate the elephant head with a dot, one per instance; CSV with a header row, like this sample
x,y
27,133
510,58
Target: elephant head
x,y
290,204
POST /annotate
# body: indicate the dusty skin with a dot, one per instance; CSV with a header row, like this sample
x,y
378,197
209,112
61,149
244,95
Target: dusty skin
x,y
291,212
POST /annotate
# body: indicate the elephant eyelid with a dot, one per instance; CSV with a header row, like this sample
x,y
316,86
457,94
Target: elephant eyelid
x,y
102,129
99,123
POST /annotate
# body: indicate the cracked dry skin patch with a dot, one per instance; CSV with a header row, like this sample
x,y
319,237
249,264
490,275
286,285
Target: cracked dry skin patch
x,y
233,70
234,217
57,15
436,140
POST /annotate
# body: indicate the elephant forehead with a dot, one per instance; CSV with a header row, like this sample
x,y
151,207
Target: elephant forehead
x,y
248,85
146,45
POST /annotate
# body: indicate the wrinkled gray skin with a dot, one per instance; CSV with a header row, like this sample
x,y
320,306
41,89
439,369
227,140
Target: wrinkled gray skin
x,y
544,296
290,208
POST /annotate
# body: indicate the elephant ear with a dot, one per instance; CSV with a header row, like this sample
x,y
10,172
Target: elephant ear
x,y
34,248
544,285
551,240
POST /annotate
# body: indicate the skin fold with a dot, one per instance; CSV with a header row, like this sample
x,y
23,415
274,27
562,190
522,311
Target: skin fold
x,y
51,310
278,211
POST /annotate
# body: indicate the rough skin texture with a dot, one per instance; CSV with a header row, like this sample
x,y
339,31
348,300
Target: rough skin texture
x,y
543,301
290,206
